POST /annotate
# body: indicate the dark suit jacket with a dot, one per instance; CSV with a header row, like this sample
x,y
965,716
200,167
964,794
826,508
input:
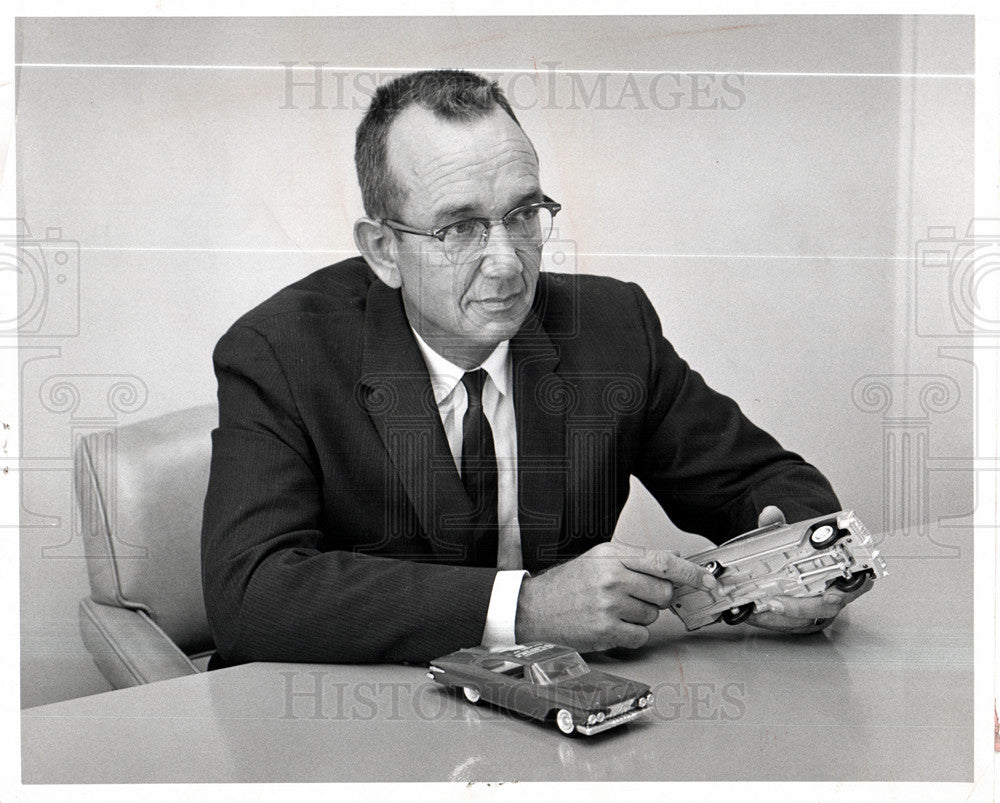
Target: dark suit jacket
x,y
336,528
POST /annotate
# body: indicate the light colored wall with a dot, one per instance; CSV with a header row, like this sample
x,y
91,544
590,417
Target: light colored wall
x,y
774,238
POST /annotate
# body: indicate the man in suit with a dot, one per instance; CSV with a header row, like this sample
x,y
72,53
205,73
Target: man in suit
x,y
429,447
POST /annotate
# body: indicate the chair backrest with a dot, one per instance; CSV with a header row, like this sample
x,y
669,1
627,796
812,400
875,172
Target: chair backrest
x,y
140,490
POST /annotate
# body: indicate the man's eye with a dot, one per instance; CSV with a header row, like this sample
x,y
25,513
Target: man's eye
x,y
521,216
464,228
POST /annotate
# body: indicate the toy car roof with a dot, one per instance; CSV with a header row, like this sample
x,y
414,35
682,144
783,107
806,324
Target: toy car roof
x,y
527,653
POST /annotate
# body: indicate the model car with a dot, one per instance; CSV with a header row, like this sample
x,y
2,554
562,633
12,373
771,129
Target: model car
x,y
796,560
544,681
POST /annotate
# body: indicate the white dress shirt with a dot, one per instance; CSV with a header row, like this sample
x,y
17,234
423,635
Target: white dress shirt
x,y
498,406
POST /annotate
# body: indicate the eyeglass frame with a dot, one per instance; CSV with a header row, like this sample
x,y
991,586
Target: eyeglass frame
x,y
440,233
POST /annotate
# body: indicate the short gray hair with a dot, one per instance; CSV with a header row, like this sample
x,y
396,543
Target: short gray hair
x,y
449,94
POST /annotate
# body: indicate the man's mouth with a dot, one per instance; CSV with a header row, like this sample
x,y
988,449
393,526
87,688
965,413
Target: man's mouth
x,y
499,303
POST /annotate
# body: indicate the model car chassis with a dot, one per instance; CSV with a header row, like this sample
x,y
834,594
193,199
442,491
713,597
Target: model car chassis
x,y
797,560
544,681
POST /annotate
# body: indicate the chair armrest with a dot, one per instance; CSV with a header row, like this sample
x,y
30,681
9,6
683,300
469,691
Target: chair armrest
x,y
128,647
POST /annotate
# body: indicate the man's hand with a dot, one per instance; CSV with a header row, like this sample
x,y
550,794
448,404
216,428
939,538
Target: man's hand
x,y
802,614
604,598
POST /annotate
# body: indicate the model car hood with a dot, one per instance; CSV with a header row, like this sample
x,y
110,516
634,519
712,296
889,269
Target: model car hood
x,y
595,690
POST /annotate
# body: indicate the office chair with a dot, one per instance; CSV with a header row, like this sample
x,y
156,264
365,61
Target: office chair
x,y
140,490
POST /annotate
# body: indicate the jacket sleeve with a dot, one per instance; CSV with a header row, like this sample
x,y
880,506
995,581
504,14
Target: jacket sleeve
x,y
274,590
710,468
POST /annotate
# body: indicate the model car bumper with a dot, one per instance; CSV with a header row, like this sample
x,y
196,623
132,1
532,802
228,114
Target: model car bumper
x,y
610,722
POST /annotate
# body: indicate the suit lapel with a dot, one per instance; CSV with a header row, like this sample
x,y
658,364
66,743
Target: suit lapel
x,y
540,402
396,392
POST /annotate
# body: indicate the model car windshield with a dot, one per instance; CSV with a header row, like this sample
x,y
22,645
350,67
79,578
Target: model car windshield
x,y
554,670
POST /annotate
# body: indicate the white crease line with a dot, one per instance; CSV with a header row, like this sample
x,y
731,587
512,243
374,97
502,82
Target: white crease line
x,y
747,256
581,253
368,70
219,250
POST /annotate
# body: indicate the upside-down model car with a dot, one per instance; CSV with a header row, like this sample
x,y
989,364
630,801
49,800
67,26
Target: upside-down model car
x,y
796,560
544,681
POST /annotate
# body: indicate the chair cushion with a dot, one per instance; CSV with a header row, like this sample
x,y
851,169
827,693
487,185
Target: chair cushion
x,y
141,489
128,647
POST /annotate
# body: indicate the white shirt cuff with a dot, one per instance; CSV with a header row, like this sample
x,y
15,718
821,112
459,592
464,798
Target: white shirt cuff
x,y
499,630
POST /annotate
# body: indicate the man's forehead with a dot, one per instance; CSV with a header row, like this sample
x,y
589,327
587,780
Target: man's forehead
x,y
440,158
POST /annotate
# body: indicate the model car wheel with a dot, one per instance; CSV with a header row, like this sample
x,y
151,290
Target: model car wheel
x,y
853,582
735,616
824,535
564,721
715,568
472,695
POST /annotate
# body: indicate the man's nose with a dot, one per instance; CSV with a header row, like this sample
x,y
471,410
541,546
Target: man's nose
x,y
499,253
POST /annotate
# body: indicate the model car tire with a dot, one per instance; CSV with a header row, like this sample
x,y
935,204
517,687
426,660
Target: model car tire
x,y
854,582
564,721
735,616
824,535
472,695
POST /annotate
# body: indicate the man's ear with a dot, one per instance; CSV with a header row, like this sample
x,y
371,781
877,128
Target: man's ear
x,y
378,246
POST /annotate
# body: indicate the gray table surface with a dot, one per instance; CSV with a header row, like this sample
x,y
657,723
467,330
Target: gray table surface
x,y
885,694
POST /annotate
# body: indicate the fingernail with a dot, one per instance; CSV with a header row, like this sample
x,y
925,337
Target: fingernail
x,y
776,605
834,597
709,580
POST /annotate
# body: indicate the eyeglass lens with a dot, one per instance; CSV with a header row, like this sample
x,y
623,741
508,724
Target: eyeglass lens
x,y
527,228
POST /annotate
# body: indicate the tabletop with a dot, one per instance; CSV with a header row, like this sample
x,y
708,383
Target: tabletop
x,y
884,694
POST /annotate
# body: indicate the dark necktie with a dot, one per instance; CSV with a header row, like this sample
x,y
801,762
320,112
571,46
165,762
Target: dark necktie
x,y
479,471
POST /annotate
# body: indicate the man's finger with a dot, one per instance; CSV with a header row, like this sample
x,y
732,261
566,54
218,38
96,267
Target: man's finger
x,y
770,515
783,624
638,612
654,590
631,636
668,565
805,608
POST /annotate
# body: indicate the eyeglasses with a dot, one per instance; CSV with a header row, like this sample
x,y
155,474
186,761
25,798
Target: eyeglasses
x,y
528,226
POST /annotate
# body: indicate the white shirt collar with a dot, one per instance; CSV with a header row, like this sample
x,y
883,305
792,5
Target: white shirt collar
x,y
445,375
